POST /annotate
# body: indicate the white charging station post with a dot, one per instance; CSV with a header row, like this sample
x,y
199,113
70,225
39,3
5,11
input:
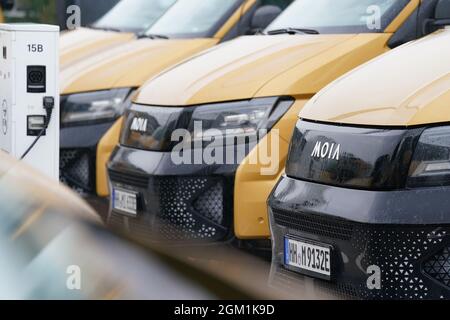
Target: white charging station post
x,y
29,78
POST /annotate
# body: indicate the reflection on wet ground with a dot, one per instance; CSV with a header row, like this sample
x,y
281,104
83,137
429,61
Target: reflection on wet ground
x,y
241,263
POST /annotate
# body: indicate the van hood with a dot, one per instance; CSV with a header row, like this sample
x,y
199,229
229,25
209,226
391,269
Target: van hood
x,y
405,87
257,66
80,43
128,65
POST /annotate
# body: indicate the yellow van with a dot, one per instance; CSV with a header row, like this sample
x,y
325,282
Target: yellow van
x,y
376,211
118,26
96,90
243,87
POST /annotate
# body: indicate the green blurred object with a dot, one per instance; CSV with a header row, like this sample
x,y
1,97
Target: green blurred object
x,y
38,11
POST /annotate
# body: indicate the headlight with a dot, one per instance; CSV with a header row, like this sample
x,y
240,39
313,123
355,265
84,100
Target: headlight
x,y
431,162
97,106
151,128
243,118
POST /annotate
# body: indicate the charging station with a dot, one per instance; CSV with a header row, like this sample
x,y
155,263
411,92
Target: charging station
x,y
29,95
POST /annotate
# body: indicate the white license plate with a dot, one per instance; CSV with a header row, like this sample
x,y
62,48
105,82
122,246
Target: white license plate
x,y
315,259
125,201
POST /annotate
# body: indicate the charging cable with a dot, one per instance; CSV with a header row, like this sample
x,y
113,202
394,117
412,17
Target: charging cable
x,y
49,105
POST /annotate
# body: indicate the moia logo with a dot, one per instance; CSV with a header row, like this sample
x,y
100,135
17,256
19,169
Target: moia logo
x,y
139,125
326,150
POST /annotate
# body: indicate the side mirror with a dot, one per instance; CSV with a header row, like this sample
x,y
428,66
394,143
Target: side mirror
x,y
7,4
441,17
263,16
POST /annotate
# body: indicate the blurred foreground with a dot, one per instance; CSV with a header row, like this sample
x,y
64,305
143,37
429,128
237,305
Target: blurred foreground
x,y
54,246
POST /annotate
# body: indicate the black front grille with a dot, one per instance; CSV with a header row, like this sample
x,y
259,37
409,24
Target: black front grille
x,y
438,267
210,204
128,178
178,196
406,255
314,224
77,169
176,208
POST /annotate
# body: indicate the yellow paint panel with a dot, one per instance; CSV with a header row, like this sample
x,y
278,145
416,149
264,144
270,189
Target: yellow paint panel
x,y
83,43
252,189
129,65
403,16
105,148
405,87
437,110
238,69
313,74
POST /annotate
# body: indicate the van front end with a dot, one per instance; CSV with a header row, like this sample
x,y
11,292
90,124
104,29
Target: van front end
x,y
172,177
359,210
154,199
85,118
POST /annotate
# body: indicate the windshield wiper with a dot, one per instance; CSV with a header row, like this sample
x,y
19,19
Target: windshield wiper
x,y
292,31
104,28
151,36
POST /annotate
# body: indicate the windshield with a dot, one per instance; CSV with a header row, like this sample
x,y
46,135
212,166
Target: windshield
x,y
194,18
134,15
339,16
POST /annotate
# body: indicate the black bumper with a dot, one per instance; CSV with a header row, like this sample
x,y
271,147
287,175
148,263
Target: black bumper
x,y
78,147
176,203
404,233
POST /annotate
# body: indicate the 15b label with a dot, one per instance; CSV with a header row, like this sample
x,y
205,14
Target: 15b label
x,y
36,48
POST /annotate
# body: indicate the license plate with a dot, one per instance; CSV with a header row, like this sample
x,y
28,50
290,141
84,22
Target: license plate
x,y
306,257
125,201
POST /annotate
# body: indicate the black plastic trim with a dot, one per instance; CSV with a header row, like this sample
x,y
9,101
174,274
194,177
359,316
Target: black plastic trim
x,y
428,206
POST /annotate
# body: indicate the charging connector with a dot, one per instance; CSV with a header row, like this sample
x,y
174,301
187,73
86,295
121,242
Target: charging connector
x,y
49,105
